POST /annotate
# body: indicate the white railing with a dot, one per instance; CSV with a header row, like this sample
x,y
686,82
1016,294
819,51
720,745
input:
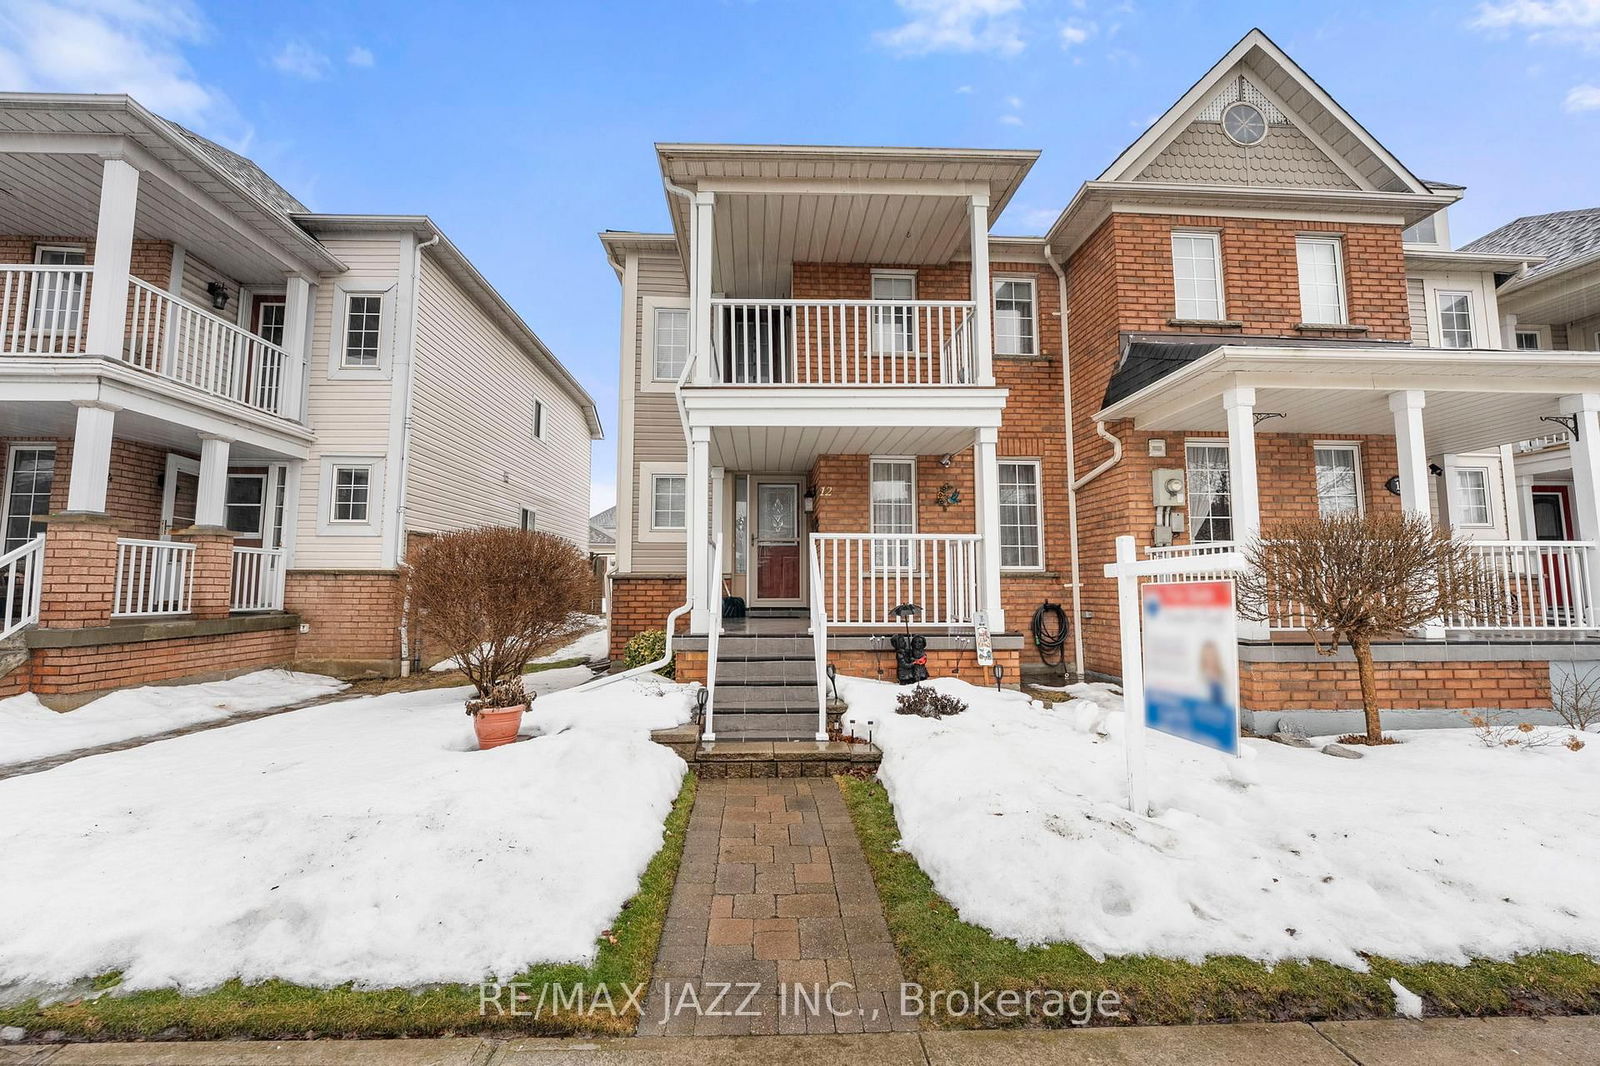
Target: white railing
x,y
257,580
713,635
21,580
153,577
842,342
1533,584
1538,444
177,340
44,310
819,641
865,576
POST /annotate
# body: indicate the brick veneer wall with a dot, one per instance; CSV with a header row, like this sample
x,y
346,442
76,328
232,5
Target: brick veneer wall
x,y
354,619
99,668
880,665
133,492
151,260
640,603
1334,686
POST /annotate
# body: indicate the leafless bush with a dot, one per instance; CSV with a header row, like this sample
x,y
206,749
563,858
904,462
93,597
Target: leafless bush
x,y
1500,729
1575,697
1356,578
925,702
492,597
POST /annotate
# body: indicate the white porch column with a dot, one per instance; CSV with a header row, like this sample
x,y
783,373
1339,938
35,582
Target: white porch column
x,y
296,323
702,249
113,256
91,457
1244,488
986,483
1411,450
210,502
697,509
719,485
982,292
1585,451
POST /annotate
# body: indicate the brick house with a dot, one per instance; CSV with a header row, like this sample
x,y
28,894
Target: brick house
x,y
841,393
224,419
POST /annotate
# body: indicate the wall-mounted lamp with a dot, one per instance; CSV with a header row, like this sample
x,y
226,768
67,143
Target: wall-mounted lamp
x,y
218,293
946,459
809,501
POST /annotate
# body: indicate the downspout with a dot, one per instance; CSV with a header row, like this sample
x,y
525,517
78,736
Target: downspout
x,y
403,460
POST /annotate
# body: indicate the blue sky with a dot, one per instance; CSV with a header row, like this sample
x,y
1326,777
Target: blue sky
x,y
525,128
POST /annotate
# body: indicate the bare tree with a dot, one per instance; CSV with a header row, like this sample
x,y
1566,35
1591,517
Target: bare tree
x,y
1353,579
493,597
1575,697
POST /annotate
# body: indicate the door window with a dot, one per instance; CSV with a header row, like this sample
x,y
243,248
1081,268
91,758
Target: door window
x,y
777,536
1210,498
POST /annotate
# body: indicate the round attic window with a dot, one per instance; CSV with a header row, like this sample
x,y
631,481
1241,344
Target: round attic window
x,y
1244,124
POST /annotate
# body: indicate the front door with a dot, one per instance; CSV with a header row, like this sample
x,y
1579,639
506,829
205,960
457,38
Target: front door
x,y
180,494
1552,520
776,540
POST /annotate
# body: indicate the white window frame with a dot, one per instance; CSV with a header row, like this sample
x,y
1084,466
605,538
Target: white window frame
x,y
644,506
650,307
1355,451
1439,296
1188,490
881,562
656,525
36,298
1460,495
327,525
1337,244
538,418
528,518
342,292
1540,335
10,472
1033,305
261,508
1038,489
1215,239
900,327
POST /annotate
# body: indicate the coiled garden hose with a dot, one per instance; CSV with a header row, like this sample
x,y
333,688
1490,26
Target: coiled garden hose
x,y
1050,634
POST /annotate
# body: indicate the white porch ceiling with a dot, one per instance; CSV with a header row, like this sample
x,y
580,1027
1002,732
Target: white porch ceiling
x,y
793,449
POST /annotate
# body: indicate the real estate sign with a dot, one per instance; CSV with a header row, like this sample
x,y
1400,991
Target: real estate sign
x,y
1191,662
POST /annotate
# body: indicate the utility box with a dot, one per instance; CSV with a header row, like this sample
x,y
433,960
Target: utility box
x,y
1167,486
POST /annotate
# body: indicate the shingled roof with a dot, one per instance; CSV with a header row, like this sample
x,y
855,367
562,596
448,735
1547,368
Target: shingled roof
x,y
1562,237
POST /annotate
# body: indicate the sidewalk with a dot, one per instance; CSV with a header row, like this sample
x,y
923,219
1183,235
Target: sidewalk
x,y
1482,1042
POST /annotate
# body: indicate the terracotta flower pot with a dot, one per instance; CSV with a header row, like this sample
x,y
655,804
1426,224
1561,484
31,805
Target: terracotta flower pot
x,y
497,725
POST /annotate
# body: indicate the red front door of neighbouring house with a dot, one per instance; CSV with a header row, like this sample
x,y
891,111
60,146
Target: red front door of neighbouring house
x,y
1552,520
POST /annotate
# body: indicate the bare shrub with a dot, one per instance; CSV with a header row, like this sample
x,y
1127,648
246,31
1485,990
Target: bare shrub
x,y
493,597
1500,729
1575,698
925,702
1356,578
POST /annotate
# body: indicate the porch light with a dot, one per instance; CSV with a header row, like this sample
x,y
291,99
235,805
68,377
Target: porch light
x,y
999,672
218,293
833,684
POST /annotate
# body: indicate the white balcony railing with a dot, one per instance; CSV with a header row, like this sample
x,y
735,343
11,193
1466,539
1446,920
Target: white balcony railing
x,y
257,579
21,580
177,340
44,310
153,578
842,342
865,576
1540,585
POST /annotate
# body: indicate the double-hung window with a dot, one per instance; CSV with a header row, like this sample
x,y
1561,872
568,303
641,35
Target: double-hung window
x,y
352,494
894,328
57,298
1197,276
30,475
669,495
1015,329
671,343
1338,479
1210,493
1472,496
1527,340
1321,281
1455,319
894,513
362,329
1021,516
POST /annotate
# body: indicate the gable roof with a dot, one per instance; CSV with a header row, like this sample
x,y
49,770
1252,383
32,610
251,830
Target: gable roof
x,y
1563,238
1147,358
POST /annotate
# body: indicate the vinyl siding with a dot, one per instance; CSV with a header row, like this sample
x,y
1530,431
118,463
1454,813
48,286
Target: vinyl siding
x,y
197,274
1287,157
350,417
1417,302
657,430
474,460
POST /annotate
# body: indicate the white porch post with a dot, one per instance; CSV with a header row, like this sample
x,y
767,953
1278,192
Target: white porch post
x,y
986,481
982,293
1585,451
718,510
296,322
1239,404
1411,450
210,501
697,520
91,457
113,256
702,245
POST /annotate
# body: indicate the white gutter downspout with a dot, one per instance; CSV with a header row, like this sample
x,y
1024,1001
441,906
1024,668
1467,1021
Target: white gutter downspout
x,y
403,458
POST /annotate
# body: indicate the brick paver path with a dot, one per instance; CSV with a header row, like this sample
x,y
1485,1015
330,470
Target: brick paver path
x,y
774,905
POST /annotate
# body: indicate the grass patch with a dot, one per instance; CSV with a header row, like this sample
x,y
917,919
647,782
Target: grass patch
x,y
277,1010
940,951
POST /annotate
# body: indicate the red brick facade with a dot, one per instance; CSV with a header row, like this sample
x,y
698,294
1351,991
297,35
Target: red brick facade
x,y
640,603
1333,686
83,672
353,618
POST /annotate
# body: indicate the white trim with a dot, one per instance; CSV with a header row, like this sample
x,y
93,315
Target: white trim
x,y
528,519
176,464
1441,294
1457,495
10,471
1354,448
1337,244
79,249
1541,336
538,419
650,305
628,377
327,526
1032,281
801,525
262,525
1220,443
646,502
343,289
1215,237
1038,508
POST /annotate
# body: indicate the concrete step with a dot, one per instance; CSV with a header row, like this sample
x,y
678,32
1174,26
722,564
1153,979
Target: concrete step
x,y
766,672
776,697
766,726
765,646
781,757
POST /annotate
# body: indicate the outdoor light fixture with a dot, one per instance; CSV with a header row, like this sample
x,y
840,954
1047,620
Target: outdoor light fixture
x,y
833,684
218,293
999,672
946,459
701,698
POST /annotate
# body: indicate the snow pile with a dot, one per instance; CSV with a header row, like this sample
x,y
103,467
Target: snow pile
x,y
29,730
358,841
1434,849
590,645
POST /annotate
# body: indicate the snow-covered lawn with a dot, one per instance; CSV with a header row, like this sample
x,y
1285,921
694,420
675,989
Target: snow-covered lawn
x,y
590,645
1436,849
29,730
359,841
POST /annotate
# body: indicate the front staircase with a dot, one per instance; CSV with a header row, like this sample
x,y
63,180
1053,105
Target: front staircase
x,y
766,678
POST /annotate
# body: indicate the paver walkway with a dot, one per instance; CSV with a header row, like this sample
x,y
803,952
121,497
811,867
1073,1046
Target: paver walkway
x,y
774,907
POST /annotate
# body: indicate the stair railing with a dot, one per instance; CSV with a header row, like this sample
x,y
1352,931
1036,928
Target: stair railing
x,y
819,638
713,635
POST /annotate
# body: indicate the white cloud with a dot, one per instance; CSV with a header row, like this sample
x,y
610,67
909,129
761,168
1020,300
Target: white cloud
x,y
1011,120
359,56
956,26
108,46
1075,33
1583,98
300,60
1561,21
963,88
